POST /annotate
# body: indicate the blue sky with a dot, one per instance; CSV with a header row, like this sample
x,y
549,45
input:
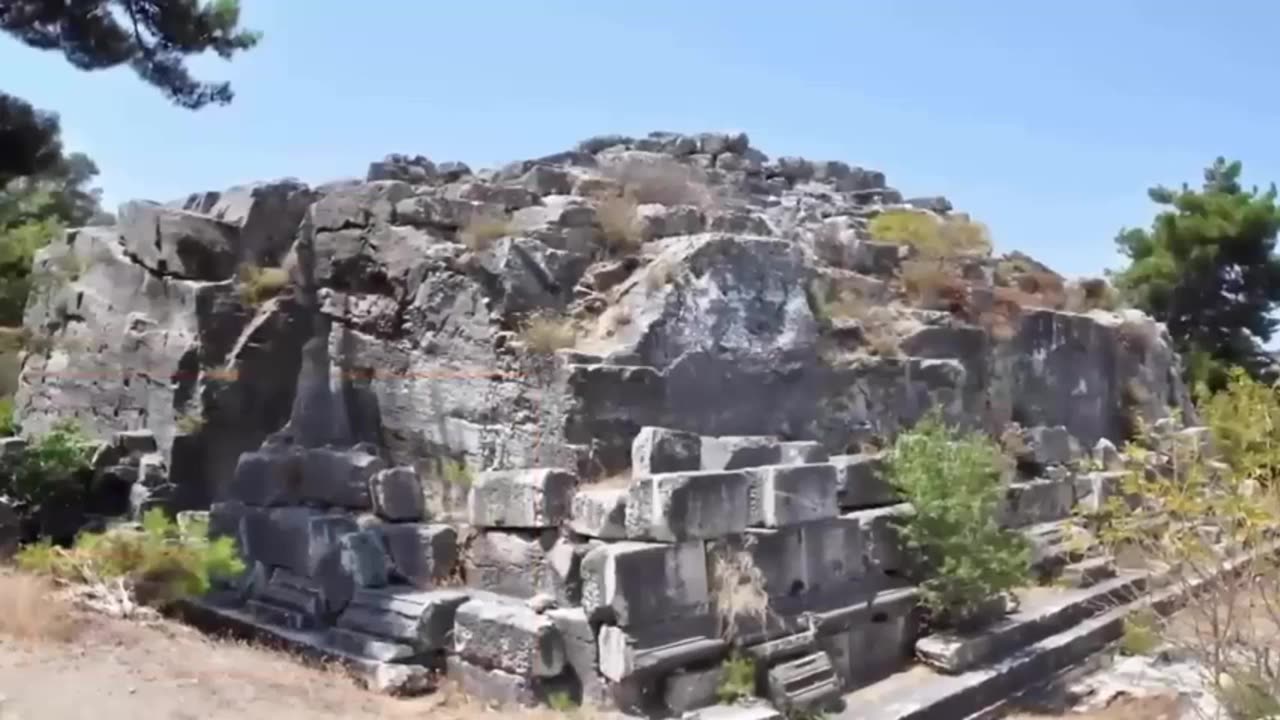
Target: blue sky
x,y
1046,120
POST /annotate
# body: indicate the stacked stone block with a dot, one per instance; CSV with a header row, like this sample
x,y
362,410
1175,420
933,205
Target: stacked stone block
x,y
630,594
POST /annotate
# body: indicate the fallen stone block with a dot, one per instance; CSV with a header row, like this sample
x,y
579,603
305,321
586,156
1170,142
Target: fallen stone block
x,y
740,451
688,506
508,637
293,537
600,513
267,477
653,650
491,685
632,583
660,450
803,452
134,444
525,564
521,499
357,560
862,481
422,619
368,646
398,495
581,653
791,494
12,447
690,689
804,683
1044,446
1038,501
422,555
396,678
339,477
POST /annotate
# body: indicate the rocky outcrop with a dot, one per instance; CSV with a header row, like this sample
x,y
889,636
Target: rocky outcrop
x,y
542,313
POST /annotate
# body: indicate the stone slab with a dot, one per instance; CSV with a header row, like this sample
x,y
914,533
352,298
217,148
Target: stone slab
x,y
422,619
521,499
357,560
688,506
364,645
627,653
1038,501
507,637
581,653
754,711
490,685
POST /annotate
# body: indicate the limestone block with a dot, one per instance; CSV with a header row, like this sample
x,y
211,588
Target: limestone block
x,y
524,564
660,450
862,481
357,560
1037,501
521,499
791,494
690,689
422,555
655,649
633,583
339,477
293,537
740,451
581,652
688,506
398,495
508,637
600,513
490,685
271,476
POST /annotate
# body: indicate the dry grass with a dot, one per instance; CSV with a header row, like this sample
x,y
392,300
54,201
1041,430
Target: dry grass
x,y
31,611
620,231
932,285
737,587
259,284
482,230
545,333
1043,289
931,236
1092,294
658,275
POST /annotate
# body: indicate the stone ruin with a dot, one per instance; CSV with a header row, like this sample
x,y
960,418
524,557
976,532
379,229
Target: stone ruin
x,y
420,484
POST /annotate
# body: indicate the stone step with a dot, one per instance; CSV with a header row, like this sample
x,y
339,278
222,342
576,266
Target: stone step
x,y
920,693
311,646
1088,572
1045,611
272,614
368,646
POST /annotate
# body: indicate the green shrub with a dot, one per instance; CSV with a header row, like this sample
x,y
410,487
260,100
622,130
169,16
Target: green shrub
x,y
1141,636
931,236
737,679
953,481
159,561
8,424
49,472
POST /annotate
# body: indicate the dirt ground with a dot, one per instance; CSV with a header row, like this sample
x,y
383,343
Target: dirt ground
x,y
60,664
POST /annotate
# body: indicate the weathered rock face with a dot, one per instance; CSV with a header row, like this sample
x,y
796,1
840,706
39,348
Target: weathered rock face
x,y
421,281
